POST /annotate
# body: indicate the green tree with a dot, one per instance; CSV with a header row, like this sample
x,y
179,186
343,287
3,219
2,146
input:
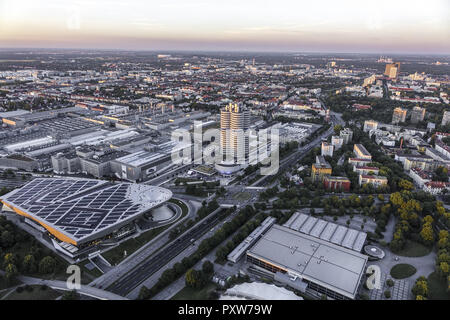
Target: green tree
x,y
71,295
420,287
440,174
29,263
10,258
405,184
208,267
7,239
427,234
47,265
144,293
194,279
337,129
11,272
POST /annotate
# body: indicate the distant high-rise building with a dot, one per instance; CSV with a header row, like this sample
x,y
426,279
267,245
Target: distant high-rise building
x,y
417,114
445,118
399,115
332,64
383,59
234,124
392,70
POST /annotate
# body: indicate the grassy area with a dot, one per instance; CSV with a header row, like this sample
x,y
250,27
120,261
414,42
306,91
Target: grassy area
x,y
242,196
413,249
115,255
437,288
88,275
402,271
193,294
181,204
205,169
182,180
36,294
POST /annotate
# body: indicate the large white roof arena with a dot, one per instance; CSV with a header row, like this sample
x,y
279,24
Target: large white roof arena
x,y
81,210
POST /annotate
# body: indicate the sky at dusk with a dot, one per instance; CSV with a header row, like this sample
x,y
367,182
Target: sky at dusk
x,y
382,26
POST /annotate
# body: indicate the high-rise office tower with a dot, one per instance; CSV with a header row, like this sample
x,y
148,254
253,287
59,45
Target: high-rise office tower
x,y
392,70
399,115
234,125
417,114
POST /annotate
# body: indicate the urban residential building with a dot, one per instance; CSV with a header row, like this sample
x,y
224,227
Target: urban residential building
x,y
337,142
335,183
417,114
399,115
327,149
347,135
320,169
361,152
376,181
370,125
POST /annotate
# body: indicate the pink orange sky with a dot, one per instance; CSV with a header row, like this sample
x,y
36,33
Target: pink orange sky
x,y
382,26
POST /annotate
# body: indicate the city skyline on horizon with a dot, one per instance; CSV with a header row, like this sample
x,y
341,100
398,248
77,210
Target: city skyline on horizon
x,y
325,26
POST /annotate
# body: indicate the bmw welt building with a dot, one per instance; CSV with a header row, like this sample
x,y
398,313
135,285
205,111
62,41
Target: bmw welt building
x,y
80,213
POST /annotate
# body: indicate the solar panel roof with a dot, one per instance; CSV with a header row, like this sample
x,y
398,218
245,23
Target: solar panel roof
x,y
81,208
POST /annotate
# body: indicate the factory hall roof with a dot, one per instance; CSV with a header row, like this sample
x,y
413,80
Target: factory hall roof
x,y
313,259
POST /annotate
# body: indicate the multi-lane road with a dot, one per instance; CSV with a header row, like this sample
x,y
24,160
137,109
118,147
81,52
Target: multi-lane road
x,y
133,278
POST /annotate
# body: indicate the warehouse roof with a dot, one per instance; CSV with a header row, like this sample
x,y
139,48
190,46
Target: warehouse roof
x,y
312,259
328,231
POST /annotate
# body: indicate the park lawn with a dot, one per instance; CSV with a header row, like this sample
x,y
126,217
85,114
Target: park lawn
x,y
413,249
194,294
402,271
437,288
36,294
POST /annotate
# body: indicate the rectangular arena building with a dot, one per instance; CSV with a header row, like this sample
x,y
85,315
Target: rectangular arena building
x,y
321,266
